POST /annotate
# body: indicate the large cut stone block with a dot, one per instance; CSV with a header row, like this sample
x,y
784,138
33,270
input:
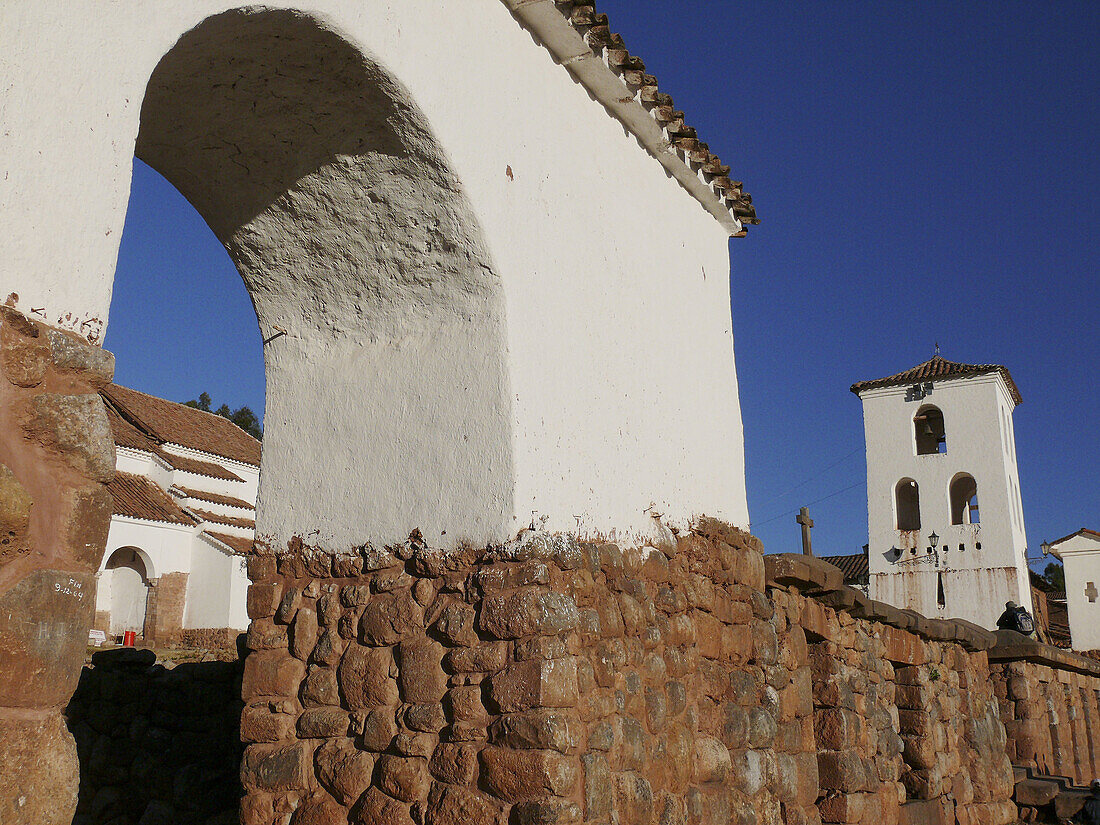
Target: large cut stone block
x,y
271,673
528,612
549,683
76,427
39,772
284,767
527,774
44,622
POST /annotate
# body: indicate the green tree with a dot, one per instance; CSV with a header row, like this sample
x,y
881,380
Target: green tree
x,y
1055,576
202,404
243,417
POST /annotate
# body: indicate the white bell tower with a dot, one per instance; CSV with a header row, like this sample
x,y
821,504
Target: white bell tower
x,y
945,521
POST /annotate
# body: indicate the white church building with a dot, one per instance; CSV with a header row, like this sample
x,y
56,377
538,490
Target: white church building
x,y
939,441
185,492
1079,553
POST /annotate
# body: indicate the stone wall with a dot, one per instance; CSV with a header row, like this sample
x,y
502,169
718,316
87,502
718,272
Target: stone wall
x,y
555,682
157,745
56,455
1050,701
550,681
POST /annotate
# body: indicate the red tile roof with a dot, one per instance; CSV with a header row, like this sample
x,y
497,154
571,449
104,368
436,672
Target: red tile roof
x,y
138,497
126,434
239,544
1083,531
937,367
636,86
218,518
854,567
169,422
215,498
202,468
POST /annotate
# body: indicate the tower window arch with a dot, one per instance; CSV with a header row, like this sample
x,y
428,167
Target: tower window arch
x,y
928,431
963,492
907,504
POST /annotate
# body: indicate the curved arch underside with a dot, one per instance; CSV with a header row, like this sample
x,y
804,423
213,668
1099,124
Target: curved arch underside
x,y
387,398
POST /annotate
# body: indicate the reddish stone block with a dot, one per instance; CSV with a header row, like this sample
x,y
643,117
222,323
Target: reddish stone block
x,y
323,723
343,770
271,673
89,510
376,808
420,671
535,683
277,767
389,618
40,773
364,677
403,778
44,621
448,806
75,427
543,729
261,568
489,657
528,612
263,599
319,809
260,724
25,358
528,774
454,763
264,634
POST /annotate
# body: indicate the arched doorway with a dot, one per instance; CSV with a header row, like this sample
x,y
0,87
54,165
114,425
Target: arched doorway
x,y
128,582
388,407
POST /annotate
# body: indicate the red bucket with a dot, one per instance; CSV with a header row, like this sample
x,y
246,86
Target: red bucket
x,y
129,637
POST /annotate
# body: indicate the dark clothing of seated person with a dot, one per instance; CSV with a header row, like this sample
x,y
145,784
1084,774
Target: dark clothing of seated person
x,y
1090,813
1016,618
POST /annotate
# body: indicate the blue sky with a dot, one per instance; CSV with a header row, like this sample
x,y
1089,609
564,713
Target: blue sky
x,y
924,172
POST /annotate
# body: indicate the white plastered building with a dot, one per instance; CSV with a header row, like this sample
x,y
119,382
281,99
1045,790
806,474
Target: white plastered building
x,y
939,442
1079,553
493,282
185,492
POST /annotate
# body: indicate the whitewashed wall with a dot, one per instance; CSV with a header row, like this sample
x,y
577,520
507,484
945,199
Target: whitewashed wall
x,y
216,588
618,394
977,583
1080,556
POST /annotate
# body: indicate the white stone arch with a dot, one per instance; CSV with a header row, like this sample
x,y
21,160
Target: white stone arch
x,y
150,569
124,584
387,386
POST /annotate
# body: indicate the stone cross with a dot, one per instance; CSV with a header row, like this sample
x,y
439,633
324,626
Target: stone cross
x,y
1091,592
804,519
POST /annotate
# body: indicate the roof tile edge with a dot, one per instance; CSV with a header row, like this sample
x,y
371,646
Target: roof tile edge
x,y
581,39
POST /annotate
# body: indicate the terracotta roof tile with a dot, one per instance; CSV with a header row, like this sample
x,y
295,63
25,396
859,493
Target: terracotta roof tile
x,y
937,367
215,498
641,87
1083,531
202,468
239,544
218,518
126,434
854,567
138,497
167,421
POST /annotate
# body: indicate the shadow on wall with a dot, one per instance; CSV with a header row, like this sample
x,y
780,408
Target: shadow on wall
x,y
157,745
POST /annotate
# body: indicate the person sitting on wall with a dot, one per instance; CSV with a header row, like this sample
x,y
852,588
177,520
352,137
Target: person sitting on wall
x,y
1090,811
1016,618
